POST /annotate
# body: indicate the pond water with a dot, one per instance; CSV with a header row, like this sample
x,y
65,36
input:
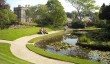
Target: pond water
x,y
77,51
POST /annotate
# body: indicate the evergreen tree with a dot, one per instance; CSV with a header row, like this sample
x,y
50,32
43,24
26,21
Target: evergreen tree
x,y
104,13
101,16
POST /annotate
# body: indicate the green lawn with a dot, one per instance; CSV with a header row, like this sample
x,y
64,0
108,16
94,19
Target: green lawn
x,y
45,37
93,28
58,57
6,56
12,34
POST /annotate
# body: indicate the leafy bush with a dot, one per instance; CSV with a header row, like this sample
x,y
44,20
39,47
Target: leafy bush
x,y
84,39
101,23
28,23
100,35
78,24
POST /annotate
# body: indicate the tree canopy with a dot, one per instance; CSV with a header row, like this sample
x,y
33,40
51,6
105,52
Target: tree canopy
x,y
6,15
85,6
104,12
50,14
57,14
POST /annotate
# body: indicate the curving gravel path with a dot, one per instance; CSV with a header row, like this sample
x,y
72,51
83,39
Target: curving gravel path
x,y
19,49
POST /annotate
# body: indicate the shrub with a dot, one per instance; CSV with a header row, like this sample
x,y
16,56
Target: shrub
x,y
101,23
100,35
84,39
78,24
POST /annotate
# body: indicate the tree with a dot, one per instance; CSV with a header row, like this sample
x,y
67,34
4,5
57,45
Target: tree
x,y
6,15
69,15
3,4
31,12
39,14
85,6
57,14
104,13
42,15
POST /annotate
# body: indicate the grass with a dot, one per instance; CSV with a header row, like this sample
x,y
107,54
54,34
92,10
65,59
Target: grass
x,y
12,34
45,37
57,56
92,28
6,57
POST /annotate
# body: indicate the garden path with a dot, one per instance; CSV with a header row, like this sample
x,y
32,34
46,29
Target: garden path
x,y
5,41
19,49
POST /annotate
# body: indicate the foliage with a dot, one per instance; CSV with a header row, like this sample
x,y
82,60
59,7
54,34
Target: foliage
x,y
31,13
101,23
57,14
6,56
28,23
104,13
78,24
6,15
42,15
85,6
3,4
99,35
84,39
69,15
58,57
50,14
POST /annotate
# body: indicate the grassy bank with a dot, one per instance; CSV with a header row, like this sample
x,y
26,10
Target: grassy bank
x,y
44,37
12,34
57,56
6,57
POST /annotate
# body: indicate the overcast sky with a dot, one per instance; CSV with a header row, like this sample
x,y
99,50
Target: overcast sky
x,y
66,5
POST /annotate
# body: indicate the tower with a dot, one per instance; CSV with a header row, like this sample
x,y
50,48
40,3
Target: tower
x,y
20,11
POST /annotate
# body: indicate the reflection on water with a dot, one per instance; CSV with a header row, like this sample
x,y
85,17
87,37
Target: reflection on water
x,y
72,41
76,51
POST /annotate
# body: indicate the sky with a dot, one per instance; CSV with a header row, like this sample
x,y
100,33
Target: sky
x,y
67,6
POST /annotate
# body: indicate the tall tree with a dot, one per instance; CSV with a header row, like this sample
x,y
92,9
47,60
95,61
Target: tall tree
x,y
83,5
101,15
57,14
31,12
39,14
42,15
104,13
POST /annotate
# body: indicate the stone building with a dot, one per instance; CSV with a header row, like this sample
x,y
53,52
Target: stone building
x,y
21,14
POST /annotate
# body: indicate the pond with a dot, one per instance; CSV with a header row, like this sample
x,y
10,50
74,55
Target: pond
x,y
66,45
